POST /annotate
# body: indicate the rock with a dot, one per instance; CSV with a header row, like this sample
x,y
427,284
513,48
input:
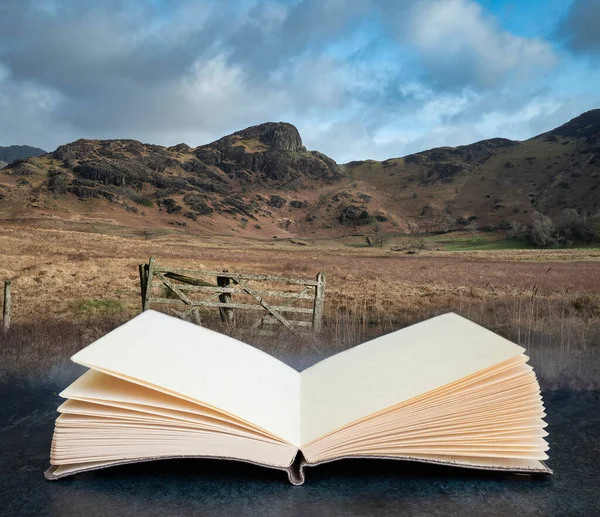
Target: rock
x,y
208,156
194,165
279,136
180,148
84,192
277,201
58,182
78,150
298,204
3,164
22,168
158,162
272,149
129,172
172,185
240,205
353,215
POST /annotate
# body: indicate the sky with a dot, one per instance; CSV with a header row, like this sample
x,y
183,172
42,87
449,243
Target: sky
x,y
360,79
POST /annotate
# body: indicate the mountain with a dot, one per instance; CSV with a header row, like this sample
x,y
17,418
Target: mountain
x,y
18,152
494,181
262,182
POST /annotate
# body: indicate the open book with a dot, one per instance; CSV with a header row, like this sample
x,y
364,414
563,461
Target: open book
x,y
442,391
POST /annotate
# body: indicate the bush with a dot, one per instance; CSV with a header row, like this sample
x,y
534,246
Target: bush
x,y
141,200
171,206
198,204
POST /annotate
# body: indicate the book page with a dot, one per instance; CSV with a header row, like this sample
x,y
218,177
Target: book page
x,y
198,364
394,368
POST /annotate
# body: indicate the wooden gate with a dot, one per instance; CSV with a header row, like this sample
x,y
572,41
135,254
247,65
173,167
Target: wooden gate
x,y
183,285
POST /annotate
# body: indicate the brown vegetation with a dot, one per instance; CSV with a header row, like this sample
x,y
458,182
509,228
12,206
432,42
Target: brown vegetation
x,y
71,287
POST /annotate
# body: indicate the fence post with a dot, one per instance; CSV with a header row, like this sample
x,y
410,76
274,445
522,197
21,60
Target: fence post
x,y
227,314
319,303
142,269
147,288
7,307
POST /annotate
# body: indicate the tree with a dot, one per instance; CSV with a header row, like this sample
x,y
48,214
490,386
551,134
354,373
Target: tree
x,y
516,231
472,227
571,225
542,230
446,223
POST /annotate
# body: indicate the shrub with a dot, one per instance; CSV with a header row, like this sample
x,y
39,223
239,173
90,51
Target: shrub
x,y
171,206
141,200
198,204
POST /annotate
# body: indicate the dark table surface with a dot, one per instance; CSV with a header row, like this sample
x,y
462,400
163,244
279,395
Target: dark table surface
x,y
349,487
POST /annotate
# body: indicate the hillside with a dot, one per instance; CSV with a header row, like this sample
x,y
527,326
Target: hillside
x,y
493,181
262,182
17,152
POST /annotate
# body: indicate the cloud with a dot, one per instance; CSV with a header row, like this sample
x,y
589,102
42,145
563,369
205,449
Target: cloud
x,y
359,78
580,26
461,46
26,111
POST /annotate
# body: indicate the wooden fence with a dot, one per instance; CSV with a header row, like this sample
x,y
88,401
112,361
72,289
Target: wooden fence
x,y
182,284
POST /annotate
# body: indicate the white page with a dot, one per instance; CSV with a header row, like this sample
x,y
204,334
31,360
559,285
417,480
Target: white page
x,y
184,359
393,368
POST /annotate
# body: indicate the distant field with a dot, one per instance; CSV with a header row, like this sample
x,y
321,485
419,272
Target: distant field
x,y
86,283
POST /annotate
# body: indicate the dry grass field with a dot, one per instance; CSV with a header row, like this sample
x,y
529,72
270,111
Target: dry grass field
x,y
69,287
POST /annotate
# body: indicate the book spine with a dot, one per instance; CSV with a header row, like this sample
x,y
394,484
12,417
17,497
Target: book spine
x,y
296,470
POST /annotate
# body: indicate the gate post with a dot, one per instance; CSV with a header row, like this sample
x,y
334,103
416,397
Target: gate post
x,y
147,287
319,303
227,314
142,269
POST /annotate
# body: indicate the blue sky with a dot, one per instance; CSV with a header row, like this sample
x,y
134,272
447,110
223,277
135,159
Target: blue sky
x,y
359,78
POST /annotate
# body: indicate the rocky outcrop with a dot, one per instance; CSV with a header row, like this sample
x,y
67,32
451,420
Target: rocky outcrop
x,y
277,136
277,201
354,216
273,150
